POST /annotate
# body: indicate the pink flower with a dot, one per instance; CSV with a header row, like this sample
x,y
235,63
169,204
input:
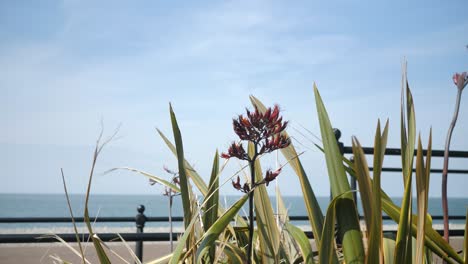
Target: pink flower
x,y
262,129
271,175
225,156
235,150
460,80
236,184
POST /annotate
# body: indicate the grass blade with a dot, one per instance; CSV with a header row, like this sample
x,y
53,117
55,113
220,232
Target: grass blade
x,y
75,229
184,188
211,201
196,178
422,189
433,240
347,217
164,259
371,211
68,245
363,178
327,248
303,241
234,254
102,256
376,232
151,177
403,240
179,250
219,226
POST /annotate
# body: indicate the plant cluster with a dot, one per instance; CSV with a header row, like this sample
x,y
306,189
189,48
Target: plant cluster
x,y
214,234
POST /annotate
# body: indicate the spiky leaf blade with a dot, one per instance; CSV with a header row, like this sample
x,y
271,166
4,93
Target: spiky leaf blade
x,y
184,183
211,201
313,209
303,242
368,200
219,226
347,217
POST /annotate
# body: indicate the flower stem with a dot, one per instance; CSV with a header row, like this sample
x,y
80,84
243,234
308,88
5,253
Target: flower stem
x,y
251,203
445,168
251,211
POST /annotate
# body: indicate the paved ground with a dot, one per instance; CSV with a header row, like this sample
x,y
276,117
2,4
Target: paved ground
x,y
42,252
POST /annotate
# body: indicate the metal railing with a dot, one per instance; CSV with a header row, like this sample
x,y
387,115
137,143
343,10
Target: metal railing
x,y
140,219
397,152
139,236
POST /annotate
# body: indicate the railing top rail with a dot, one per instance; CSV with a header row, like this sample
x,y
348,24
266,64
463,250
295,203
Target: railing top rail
x,y
81,219
150,219
111,237
397,152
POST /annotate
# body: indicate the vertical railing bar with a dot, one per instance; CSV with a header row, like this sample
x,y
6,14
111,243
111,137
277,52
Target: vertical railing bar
x,y
140,220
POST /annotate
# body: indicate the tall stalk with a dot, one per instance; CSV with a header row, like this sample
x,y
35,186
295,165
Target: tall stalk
x,y
460,81
170,193
264,131
251,212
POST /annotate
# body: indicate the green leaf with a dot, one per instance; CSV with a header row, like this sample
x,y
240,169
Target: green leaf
x,y
411,132
235,254
211,201
150,176
388,250
102,256
282,212
184,184
179,250
347,217
327,248
363,178
219,226
196,178
433,240
311,203
371,211
302,241
403,240
422,189
164,259
376,232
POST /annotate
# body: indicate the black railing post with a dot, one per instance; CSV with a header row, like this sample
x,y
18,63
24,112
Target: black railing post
x,y
140,220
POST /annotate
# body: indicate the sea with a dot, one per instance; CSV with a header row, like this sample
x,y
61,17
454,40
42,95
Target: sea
x,y
100,205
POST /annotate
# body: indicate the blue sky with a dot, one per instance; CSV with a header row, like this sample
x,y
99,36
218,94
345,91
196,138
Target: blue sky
x,y
65,65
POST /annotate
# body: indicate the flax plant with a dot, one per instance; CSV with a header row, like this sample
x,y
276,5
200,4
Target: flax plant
x,y
262,131
214,234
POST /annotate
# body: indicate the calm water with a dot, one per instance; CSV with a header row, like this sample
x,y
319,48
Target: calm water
x,y
54,205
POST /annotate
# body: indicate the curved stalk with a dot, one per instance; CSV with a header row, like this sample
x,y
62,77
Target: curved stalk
x,y
445,168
